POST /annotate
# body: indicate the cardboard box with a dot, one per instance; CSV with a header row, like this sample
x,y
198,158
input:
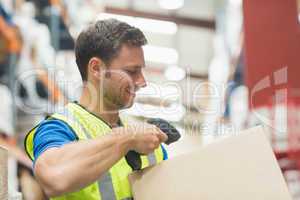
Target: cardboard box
x,y
241,167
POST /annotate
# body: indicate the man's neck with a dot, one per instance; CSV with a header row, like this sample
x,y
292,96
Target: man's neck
x,y
99,107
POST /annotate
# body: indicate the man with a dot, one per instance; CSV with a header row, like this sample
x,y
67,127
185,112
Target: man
x,y
81,153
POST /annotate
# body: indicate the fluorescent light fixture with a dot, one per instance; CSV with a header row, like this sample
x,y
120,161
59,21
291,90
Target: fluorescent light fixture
x,y
171,4
235,2
174,113
148,25
175,73
159,54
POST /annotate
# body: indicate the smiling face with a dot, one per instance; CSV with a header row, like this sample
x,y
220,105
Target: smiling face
x,y
123,77
111,48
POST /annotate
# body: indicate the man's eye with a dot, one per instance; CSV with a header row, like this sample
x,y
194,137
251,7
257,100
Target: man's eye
x,y
131,72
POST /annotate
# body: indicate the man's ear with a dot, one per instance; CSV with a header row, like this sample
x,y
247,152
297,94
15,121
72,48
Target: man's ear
x,y
95,67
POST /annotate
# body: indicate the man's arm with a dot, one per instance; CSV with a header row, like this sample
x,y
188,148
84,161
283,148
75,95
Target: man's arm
x,y
78,164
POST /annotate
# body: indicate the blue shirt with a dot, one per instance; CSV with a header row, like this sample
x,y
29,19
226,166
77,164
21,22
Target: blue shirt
x,y
55,133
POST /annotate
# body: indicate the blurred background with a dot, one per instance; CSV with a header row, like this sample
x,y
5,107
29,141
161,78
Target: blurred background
x,y
201,71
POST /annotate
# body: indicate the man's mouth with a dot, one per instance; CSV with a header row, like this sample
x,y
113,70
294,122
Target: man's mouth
x,y
131,92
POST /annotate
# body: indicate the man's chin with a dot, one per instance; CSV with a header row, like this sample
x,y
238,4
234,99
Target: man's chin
x,y
127,104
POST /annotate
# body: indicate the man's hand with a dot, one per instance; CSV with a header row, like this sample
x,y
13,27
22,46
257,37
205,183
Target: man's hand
x,y
148,138
145,137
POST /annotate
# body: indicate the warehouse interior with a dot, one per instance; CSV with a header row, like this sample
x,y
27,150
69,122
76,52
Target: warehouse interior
x,y
202,70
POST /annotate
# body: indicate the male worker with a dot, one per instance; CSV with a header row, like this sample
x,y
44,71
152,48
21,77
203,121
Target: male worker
x,y
81,153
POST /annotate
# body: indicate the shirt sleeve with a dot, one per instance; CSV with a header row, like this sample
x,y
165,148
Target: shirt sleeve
x,y
49,134
165,153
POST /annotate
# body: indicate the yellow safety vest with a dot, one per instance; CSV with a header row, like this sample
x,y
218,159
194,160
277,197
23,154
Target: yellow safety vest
x,y
113,185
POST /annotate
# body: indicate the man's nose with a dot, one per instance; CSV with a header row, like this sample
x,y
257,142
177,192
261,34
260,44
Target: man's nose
x,y
140,81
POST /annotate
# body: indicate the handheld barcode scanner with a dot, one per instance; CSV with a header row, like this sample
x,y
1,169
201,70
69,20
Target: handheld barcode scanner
x,y
133,157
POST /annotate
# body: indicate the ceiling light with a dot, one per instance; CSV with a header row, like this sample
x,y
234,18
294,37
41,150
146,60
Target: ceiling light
x,y
175,73
159,54
171,4
149,25
235,2
173,113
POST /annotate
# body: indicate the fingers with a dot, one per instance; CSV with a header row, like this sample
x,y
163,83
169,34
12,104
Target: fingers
x,y
149,139
162,136
155,138
156,142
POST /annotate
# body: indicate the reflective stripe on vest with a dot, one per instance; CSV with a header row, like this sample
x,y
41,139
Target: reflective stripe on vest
x,y
106,187
151,159
114,184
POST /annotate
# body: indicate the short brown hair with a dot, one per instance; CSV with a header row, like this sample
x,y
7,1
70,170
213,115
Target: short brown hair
x,y
104,39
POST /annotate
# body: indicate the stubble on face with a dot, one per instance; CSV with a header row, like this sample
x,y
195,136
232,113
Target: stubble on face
x,y
119,87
